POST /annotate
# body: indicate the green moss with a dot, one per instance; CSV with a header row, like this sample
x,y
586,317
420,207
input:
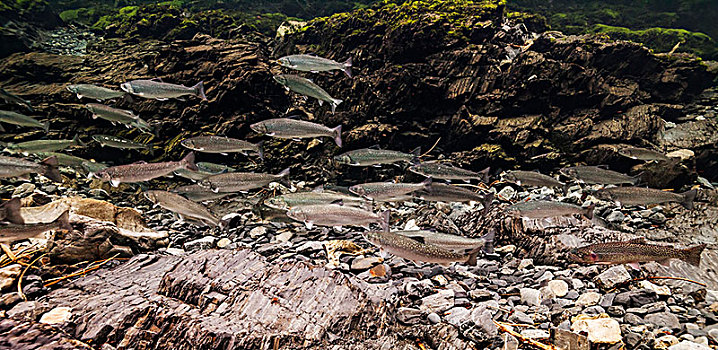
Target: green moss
x,y
661,39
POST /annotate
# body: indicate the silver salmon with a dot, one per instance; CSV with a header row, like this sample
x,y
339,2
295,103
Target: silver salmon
x,y
287,128
139,172
162,91
645,196
310,63
306,87
411,249
182,206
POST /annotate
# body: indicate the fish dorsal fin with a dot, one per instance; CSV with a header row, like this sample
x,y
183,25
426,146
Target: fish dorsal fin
x,y
338,202
639,240
602,166
157,79
140,162
374,146
417,238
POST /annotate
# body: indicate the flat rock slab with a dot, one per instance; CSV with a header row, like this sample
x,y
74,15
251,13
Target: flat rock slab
x,y
220,299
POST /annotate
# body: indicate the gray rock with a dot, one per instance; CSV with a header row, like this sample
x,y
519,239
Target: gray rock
x,y
479,294
530,296
507,192
206,242
434,318
657,218
594,310
607,300
572,295
638,297
361,264
559,288
526,264
439,302
8,274
616,216
616,311
664,319
687,345
457,316
510,342
520,317
612,277
419,288
588,299
482,317
535,334
409,315
633,319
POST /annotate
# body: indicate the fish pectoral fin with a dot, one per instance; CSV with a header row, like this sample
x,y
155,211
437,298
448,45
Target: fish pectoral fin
x,y
309,225
445,264
224,153
320,103
114,182
162,99
666,262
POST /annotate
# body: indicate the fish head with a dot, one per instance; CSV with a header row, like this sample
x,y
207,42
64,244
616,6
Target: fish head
x,y
373,237
297,214
358,190
570,172
151,196
276,203
281,79
127,87
72,88
259,128
509,176
343,159
189,143
583,255
105,177
284,62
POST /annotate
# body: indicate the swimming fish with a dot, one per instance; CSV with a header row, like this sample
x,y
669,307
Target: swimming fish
x,y
645,196
597,175
138,172
221,144
373,157
182,206
634,252
306,87
94,92
411,249
545,209
337,215
22,120
310,63
240,181
17,167
162,91
287,128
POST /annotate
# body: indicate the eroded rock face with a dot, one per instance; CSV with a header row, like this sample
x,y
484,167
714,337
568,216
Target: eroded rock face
x,y
222,300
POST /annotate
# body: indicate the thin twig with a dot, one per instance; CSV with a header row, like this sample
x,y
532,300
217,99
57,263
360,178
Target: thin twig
x,y
542,346
87,269
431,149
19,280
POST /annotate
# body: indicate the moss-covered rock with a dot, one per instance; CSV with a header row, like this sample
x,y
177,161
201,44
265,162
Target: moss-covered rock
x,y
662,39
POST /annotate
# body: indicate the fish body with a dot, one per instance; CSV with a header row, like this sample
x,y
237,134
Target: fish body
x,y
182,206
545,209
643,154
240,181
447,172
287,128
370,156
198,175
597,175
383,191
16,167
298,199
214,168
120,142
17,232
64,159
221,144
94,92
14,99
162,91
337,215
439,192
22,120
306,87
645,196
199,193
531,178
633,252
139,172
10,211
142,125
40,146
448,241
93,167
411,249
310,63
114,115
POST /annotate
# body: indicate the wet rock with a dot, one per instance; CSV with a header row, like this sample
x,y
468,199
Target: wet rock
x,y
633,319
361,264
419,288
510,342
408,315
434,318
600,330
665,341
565,339
520,317
659,290
525,264
223,243
636,298
439,302
530,296
535,334
8,275
207,242
664,319
688,345
57,315
559,288
588,299
457,316
612,277
616,216
7,300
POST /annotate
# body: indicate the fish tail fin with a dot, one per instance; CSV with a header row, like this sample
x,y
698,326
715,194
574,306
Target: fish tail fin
x,y
260,149
46,126
188,162
589,211
427,182
284,177
637,179
488,199
485,174
688,198
347,67
199,90
284,173
471,261
335,102
693,255
12,211
128,98
416,152
385,220
50,170
77,140
489,239
64,221
337,133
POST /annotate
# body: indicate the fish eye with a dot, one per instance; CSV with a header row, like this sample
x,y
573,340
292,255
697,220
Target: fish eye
x,y
593,256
